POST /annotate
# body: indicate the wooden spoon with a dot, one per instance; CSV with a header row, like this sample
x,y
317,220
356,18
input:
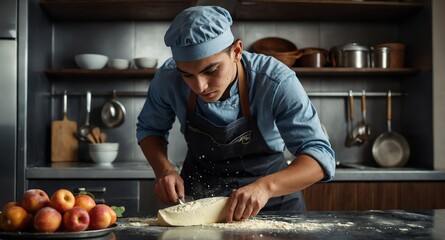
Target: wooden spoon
x,y
91,139
96,134
102,137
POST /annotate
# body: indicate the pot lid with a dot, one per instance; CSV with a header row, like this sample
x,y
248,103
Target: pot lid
x,y
354,47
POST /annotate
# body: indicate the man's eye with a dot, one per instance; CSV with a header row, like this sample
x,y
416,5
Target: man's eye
x,y
211,71
184,75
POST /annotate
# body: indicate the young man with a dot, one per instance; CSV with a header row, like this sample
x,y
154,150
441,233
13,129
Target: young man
x,y
237,111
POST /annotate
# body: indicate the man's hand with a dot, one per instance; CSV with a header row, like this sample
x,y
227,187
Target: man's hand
x,y
169,188
246,202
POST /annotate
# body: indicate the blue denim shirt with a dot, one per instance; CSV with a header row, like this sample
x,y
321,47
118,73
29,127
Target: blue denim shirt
x,y
284,113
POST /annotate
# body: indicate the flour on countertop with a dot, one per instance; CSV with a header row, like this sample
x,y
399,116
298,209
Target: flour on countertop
x,y
270,224
250,224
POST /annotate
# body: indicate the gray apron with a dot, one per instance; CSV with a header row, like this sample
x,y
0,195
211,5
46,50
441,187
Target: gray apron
x,y
221,159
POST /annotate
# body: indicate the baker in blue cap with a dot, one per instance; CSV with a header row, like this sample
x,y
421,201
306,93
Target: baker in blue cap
x,y
238,111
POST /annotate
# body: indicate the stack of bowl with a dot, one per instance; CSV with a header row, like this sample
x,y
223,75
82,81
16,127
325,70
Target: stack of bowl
x,y
103,153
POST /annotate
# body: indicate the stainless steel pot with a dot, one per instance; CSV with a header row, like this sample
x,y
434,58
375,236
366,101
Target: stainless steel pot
x,y
380,56
350,55
355,55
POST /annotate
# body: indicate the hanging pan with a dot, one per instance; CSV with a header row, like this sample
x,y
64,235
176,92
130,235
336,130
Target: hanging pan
x,y
113,113
390,149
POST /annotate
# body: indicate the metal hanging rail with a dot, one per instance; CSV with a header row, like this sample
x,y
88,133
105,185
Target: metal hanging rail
x,y
104,93
355,94
310,94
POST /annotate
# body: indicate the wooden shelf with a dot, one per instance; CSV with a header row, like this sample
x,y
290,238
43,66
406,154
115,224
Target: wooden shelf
x,y
252,10
318,10
103,73
331,71
68,10
149,73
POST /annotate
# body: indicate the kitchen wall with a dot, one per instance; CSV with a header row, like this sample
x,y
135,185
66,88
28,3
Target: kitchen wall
x,y
142,38
439,83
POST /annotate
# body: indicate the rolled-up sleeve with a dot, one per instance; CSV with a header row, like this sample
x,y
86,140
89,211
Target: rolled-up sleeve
x,y
157,116
300,127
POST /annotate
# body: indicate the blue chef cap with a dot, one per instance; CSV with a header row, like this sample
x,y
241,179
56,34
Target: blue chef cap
x,y
199,32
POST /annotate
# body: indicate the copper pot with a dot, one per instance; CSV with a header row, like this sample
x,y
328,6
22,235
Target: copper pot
x,y
313,57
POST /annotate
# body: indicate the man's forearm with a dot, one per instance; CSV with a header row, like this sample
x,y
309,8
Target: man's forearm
x,y
155,150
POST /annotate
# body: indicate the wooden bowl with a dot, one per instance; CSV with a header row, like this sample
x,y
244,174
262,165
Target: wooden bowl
x,y
282,49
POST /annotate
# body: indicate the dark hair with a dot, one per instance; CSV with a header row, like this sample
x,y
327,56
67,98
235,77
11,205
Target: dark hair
x,y
228,49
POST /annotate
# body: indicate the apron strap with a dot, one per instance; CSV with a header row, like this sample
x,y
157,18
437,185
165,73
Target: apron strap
x,y
242,88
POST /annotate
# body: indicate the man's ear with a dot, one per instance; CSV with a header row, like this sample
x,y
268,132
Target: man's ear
x,y
237,48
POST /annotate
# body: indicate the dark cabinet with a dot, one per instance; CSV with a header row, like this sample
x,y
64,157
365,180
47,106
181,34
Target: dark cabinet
x,y
357,196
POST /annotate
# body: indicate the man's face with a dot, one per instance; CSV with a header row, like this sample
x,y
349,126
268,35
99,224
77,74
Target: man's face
x,y
210,77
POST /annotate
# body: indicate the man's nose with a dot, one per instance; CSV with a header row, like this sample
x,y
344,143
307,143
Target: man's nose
x,y
201,83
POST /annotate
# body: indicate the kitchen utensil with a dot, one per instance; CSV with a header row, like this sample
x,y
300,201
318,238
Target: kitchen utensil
x,y
185,199
282,49
355,55
64,142
103,137
113,112
313,57
86,128
380,57
96,134
118,63
351,139
103,153
350,55
336,56
145,62
390,149
91,139
87,234
91,61
397,55
362,131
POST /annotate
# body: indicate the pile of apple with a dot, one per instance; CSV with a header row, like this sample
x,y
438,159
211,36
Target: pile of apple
x,y
63,211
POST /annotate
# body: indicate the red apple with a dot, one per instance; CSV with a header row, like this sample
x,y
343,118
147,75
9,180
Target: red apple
x,y
76,219
100,217
62,200
34,199
84,201
47,219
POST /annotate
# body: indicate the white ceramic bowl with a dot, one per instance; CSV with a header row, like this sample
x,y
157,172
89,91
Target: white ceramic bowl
x,y
104,146
91,61
118,63
103,153
145,62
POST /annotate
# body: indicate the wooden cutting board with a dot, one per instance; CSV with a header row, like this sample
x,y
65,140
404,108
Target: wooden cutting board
x,y
64,141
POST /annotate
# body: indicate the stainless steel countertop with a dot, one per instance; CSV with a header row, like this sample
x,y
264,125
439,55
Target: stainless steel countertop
x,y
143,171
396,224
